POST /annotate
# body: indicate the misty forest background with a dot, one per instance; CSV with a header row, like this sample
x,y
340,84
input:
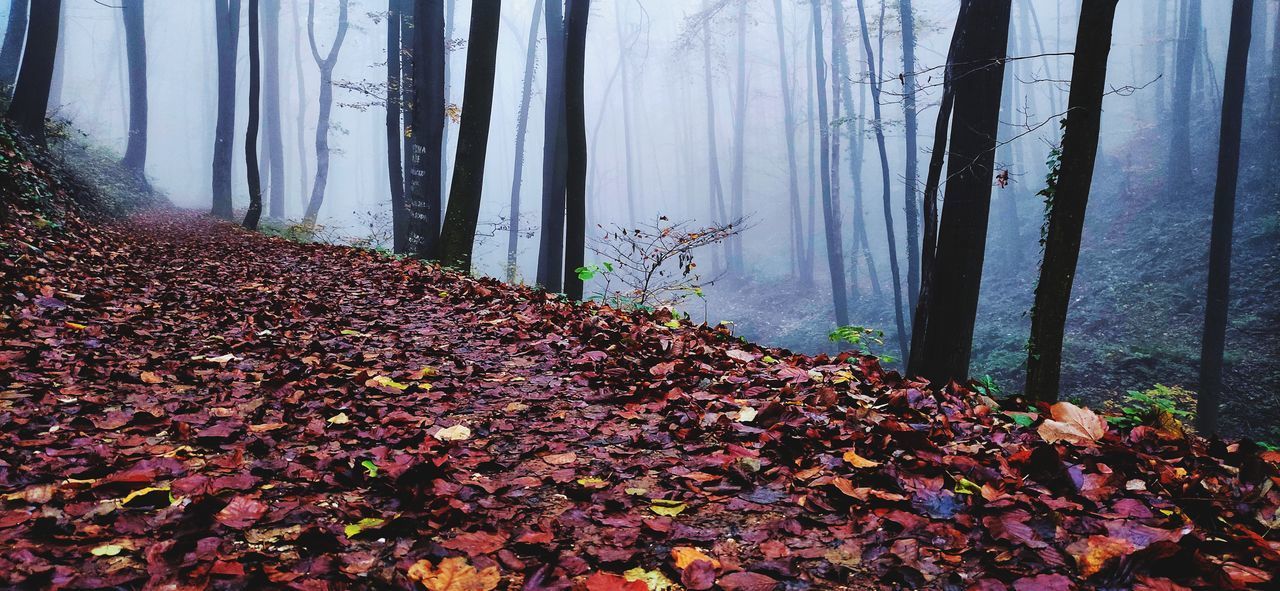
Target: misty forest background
x,y
688,109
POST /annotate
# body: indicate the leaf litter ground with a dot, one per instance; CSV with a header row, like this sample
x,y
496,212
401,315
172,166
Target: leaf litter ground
x,y
184,404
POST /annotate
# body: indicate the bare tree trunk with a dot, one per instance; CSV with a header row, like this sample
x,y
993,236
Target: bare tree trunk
x,y
719,213
835,248
325,64
1218,296
576,126
1069,198
15,35
812,141
272,125
555,161
300,123
522,129
911,129
800,268
254,213
737,185
395,129
886,181
1179,166
424,199
962,236
1010,236
459,234
627,140
228,25
135,153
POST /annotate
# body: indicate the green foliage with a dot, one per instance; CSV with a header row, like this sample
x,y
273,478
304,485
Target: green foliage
x,y
862,338
987,386
590,272
1050,190
1152,407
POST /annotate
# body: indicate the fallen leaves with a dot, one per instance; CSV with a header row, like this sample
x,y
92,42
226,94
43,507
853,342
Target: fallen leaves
x,y
1072,424
241,512
454,433
454,574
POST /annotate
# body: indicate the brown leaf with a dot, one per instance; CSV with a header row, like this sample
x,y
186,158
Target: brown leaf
x,y
241,512
610,582
454,574
1094,552
475,543
1072,424
748,581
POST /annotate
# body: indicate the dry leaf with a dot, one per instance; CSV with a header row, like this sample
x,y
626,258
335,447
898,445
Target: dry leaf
x,y
454,574
1072,424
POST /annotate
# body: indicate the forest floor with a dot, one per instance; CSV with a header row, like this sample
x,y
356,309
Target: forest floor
x,y
185,404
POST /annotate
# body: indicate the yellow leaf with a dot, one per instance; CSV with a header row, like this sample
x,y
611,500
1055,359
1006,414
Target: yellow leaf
x,y
747,414
351,530
353,333
76,325
107,550
655,580
144,492
454,574
1094,552
667,507
340,419
593,482
636,491
389,383
858,461
686,555
454,433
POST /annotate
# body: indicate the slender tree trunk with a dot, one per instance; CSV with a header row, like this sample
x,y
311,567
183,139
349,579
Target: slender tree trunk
x,y
1010,235
408,43
627,139
522,129
799,266
254,213
1218,296
450,13
719,214
962,235
812,140
835,248
1179,167
459,232
228,27
272,125
15,35
135,153
555,160
325,64
395,130
576,126
737,177
1069,198
911,130
423,200
300,124
886,182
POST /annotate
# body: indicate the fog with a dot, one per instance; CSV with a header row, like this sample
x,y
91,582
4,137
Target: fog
x,y
645,58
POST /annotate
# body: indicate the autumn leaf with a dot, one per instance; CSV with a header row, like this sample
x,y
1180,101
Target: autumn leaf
x,y
354,529
339,419
686,555
1094,552
610,582
1072,424
150,378
667,507
454,433
454,574
748,581
858,461
241,512
654,580
476,543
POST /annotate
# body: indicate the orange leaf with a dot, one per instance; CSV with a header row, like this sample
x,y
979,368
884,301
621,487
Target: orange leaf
x,y
1094,552
454,574
858,461
685,555
1072,424
608,582
151,378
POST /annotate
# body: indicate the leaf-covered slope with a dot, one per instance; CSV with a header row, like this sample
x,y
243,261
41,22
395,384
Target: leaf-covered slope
x,y
184,403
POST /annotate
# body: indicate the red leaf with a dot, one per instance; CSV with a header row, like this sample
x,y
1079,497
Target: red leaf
x,y
241,513
747,581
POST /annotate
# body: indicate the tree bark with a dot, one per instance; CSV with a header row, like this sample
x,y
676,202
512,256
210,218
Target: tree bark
x,y
719,213
31,95
835,248
325,64
802,270
395,130
911,130
300,123
135,153
576,126
522,130
272,125
254,213
627,139
962,236
737,180
473,137
886,181
555,161
15,35
1069,198
1179,166
1218,293
228,34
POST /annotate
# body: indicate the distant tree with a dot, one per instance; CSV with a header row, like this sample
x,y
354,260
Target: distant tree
x,y
272,124
835,247
977,73
522,130
911,131
628,139
254,212
460,221
325,63
408,44
135,153
423,199
300,118
227,19
1069,198
1218,294
555,158
1188,52
737,178
31,95
15,34
576,128
395,130
802,268
719,213
886,180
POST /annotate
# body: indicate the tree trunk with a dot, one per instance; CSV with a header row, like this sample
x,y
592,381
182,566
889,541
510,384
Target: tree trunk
x,y
719,214
395,130
737,177
799,265
254,213
886,181
228,27
962,236
473,137
423,199
627,140
522,129
555,161
325,64
1218,295
272,126
1069,198
135,39
300,124
31,95
910,128
576,126
1009,243
450,12
835,248
1179,167
408,43
15,35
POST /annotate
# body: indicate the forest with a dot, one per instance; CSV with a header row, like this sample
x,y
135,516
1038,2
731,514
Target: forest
x,y
640,295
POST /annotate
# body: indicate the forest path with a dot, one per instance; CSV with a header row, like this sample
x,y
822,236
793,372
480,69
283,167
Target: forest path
x,y
188,403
